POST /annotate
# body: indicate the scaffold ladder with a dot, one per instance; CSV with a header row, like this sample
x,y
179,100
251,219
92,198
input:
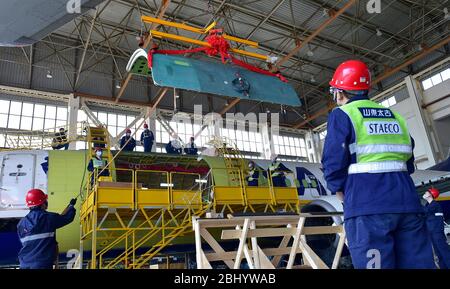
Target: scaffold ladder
x,y
233,158
99,137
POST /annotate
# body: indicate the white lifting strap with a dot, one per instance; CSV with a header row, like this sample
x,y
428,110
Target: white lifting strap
x,y
377,167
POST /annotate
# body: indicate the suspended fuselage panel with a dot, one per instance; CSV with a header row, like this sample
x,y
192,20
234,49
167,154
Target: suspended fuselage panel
x,y
221,79
213,77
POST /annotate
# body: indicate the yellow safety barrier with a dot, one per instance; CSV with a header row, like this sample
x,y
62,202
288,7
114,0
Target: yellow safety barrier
x,y
152,189
114,194
285,196
259,195
232,193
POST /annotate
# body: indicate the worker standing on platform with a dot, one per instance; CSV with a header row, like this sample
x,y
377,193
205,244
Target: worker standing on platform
x,y
37,231
435,226
128,147
367,161
253,175
97,165
147,139
278,172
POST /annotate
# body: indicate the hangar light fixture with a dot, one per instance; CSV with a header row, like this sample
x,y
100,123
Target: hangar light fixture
x,y
49,75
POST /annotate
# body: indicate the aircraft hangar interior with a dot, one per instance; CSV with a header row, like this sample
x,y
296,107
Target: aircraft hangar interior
x,y
224,134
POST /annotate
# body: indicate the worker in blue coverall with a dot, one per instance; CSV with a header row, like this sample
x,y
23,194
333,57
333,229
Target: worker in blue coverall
x,y
147,139
174,146
44,165
253,175
128,147
435,226
278,172
97,165
191,147
37,231
367,161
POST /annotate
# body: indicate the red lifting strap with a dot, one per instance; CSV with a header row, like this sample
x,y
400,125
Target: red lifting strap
x,y
219,45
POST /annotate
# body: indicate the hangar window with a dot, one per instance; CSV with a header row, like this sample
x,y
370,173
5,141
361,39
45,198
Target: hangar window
x,y
290,147
389,102
445,74
28,116
436,79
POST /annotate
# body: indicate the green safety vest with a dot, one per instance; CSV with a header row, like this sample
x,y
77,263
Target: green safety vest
x,y
382,141
98,163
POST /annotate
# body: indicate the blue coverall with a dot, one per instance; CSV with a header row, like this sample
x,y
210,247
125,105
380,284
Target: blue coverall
x,y
382,211
44,165
91,168
191,149
255,176
130,146
170,149
37,235
435,226
280,180
147,138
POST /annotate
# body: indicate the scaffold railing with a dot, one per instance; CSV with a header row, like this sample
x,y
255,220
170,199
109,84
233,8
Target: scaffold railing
x,y
41,139
136,220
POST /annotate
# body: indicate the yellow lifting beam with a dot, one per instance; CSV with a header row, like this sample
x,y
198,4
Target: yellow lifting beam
x,y
149,19
159,34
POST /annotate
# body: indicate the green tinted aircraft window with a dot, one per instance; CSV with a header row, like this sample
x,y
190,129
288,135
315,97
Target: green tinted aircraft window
x,y
305,183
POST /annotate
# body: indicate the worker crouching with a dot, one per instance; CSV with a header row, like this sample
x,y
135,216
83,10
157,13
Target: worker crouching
x,y
367,160
37,231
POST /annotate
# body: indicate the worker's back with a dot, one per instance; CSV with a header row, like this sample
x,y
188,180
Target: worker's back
x,y
37,235
367,160
369,147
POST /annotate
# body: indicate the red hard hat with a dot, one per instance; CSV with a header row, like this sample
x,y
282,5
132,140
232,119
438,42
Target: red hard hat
x,y
434,192
145,125
128,130
35,197
351,75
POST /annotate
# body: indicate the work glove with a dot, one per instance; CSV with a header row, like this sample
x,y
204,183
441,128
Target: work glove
x,y
73,202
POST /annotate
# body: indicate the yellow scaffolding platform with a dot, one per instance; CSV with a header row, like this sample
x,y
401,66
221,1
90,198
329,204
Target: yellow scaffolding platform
x,y
127,219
